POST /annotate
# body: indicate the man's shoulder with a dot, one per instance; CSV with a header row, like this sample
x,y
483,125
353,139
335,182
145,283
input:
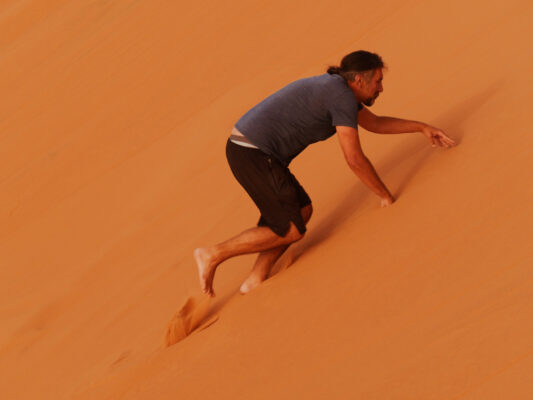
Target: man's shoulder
x,y
329,80
325,86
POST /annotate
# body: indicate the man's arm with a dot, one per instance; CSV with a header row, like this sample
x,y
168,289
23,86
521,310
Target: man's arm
x,y
360,165
388,125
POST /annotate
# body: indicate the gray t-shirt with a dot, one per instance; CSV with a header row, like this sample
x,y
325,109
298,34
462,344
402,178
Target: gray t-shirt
x,y
303,112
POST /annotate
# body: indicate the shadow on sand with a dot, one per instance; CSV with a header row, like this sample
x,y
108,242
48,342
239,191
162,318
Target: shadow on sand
x,y
412,158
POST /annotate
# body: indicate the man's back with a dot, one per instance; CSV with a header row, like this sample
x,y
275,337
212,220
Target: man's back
x,y
303,112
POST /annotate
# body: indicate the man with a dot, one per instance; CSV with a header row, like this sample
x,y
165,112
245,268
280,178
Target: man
x,y
266,139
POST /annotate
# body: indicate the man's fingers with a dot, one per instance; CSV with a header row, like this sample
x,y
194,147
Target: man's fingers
x,y
443,141
438,138
449,143
447,140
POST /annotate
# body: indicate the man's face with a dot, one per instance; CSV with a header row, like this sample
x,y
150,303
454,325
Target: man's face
x,y
370,88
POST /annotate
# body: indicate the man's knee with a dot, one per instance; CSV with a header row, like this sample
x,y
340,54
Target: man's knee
x,y
293,235
306,211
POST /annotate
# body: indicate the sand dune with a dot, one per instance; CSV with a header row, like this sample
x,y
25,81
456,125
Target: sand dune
x,y
113,121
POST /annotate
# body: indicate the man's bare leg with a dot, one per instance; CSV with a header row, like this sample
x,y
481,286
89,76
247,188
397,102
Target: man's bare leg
x,y
266,259
263,264
252,240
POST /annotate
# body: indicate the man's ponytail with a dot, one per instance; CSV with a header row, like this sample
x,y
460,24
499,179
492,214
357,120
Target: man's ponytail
x,y
358,62
334,70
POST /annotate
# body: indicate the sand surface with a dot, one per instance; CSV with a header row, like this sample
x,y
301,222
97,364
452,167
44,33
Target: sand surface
x,y
113,122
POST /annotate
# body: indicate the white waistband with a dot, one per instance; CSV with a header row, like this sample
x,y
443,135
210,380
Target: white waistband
x,y
244,144
235,131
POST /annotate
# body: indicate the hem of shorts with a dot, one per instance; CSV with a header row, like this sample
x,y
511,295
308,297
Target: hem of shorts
x,y
278,232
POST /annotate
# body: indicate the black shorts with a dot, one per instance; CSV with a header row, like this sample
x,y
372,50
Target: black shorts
x,y
272,187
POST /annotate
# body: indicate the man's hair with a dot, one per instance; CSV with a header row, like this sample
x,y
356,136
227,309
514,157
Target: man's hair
x,y
358,62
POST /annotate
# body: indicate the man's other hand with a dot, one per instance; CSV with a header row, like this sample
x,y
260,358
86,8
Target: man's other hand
x,y
387,201
437,137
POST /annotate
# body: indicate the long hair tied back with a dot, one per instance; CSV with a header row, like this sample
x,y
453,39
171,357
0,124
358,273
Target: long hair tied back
x,y
355,63
334,70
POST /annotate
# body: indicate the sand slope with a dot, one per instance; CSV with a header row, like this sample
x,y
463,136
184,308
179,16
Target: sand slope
x,y
113,122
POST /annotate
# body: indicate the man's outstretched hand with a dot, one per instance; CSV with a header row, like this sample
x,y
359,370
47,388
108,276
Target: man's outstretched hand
x,y
387,201
437,137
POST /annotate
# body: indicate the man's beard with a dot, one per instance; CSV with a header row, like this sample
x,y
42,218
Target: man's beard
x,y
370,101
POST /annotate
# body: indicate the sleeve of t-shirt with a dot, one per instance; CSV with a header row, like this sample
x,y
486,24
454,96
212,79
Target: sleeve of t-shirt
x,y
344,111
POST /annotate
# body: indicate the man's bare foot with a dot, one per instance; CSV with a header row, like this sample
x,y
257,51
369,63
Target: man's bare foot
x,y
253,280
206,269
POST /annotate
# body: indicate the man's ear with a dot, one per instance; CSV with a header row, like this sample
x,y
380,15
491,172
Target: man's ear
x,y
358,80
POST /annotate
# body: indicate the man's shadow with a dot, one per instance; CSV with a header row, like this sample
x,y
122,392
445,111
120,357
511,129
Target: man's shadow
x,y
413,158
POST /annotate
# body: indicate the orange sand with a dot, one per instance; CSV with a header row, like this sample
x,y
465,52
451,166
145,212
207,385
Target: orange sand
x,y
113,122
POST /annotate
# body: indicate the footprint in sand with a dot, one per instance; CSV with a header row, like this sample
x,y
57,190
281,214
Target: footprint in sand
x,y
190,318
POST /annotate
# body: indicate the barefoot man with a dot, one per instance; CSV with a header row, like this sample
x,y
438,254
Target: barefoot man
x,y
265,140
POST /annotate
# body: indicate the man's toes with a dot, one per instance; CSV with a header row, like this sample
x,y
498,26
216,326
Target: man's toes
x,y
244,288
